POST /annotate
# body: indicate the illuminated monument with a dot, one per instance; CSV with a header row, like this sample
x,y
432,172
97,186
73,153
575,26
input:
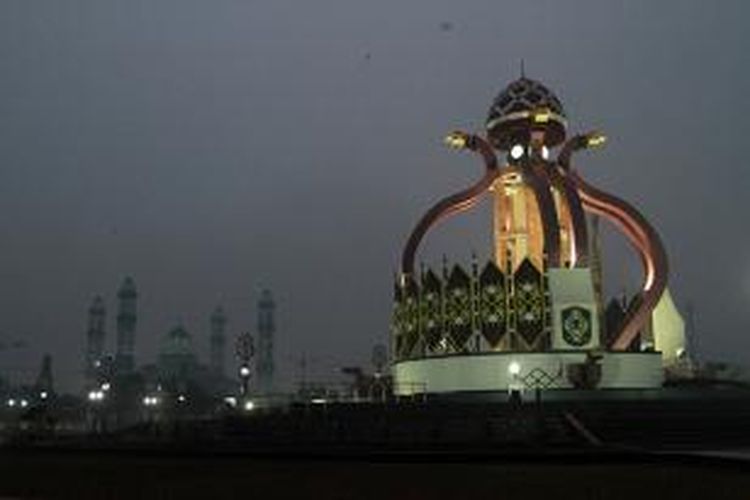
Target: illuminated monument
x,y
532,315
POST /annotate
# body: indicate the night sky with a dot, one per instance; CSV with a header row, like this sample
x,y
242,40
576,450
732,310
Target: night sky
x,y
213,148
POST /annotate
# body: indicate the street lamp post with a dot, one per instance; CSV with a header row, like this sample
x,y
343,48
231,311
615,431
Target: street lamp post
x,y
244,379
514,387
96,400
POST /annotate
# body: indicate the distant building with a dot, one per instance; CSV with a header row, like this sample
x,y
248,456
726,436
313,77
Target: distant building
x,y
126,323
264,366
177,360
218,342
45,383
178,377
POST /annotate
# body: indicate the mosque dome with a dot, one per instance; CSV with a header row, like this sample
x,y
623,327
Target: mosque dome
x,y
514,111
177,342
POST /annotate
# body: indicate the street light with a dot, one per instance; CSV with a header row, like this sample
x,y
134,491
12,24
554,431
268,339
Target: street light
x,y
514,387
96,396
514,368
151,401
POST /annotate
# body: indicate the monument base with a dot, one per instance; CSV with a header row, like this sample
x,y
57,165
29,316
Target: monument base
x,y
523,371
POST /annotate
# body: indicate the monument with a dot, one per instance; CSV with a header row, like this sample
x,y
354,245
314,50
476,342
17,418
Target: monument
x,y
532,315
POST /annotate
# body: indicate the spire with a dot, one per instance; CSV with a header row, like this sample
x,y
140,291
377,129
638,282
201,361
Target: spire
x,y
217,341
264,366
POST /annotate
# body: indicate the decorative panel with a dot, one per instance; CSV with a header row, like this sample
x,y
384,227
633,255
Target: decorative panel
x,y
458,307
492,304
431,310
528,301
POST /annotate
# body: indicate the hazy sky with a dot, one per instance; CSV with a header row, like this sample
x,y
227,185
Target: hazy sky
x,y
210,148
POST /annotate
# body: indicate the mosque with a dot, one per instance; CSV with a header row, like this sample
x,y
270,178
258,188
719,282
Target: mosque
x,y
533,316
177,373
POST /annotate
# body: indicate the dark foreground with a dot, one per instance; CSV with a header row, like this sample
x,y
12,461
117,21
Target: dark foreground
x,y
162,475
565,449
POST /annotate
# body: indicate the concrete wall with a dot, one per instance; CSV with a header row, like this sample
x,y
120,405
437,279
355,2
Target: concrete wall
x,y
668,330
491,371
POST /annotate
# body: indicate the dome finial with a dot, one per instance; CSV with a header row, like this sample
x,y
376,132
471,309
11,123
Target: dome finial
x,y
525,105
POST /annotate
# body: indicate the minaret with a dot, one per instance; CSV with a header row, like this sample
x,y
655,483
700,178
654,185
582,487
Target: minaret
x,y
45,384
218,341
266,329
95,335
126,321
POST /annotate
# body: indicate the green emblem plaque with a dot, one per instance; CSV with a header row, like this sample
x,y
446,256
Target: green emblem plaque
x,y
576,325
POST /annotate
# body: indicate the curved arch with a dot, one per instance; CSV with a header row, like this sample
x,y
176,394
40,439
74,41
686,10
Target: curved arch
x,y
540,184
575,143
457,202
575,207
646,240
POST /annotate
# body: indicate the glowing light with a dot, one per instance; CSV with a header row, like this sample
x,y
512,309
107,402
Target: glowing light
x,y
595,140
24,403
11,402
541,116
244,371
106,386
249,406
150,401
545,152
43,394
319,401
181,398
95,396
231,401
514,368
516,151
456,140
